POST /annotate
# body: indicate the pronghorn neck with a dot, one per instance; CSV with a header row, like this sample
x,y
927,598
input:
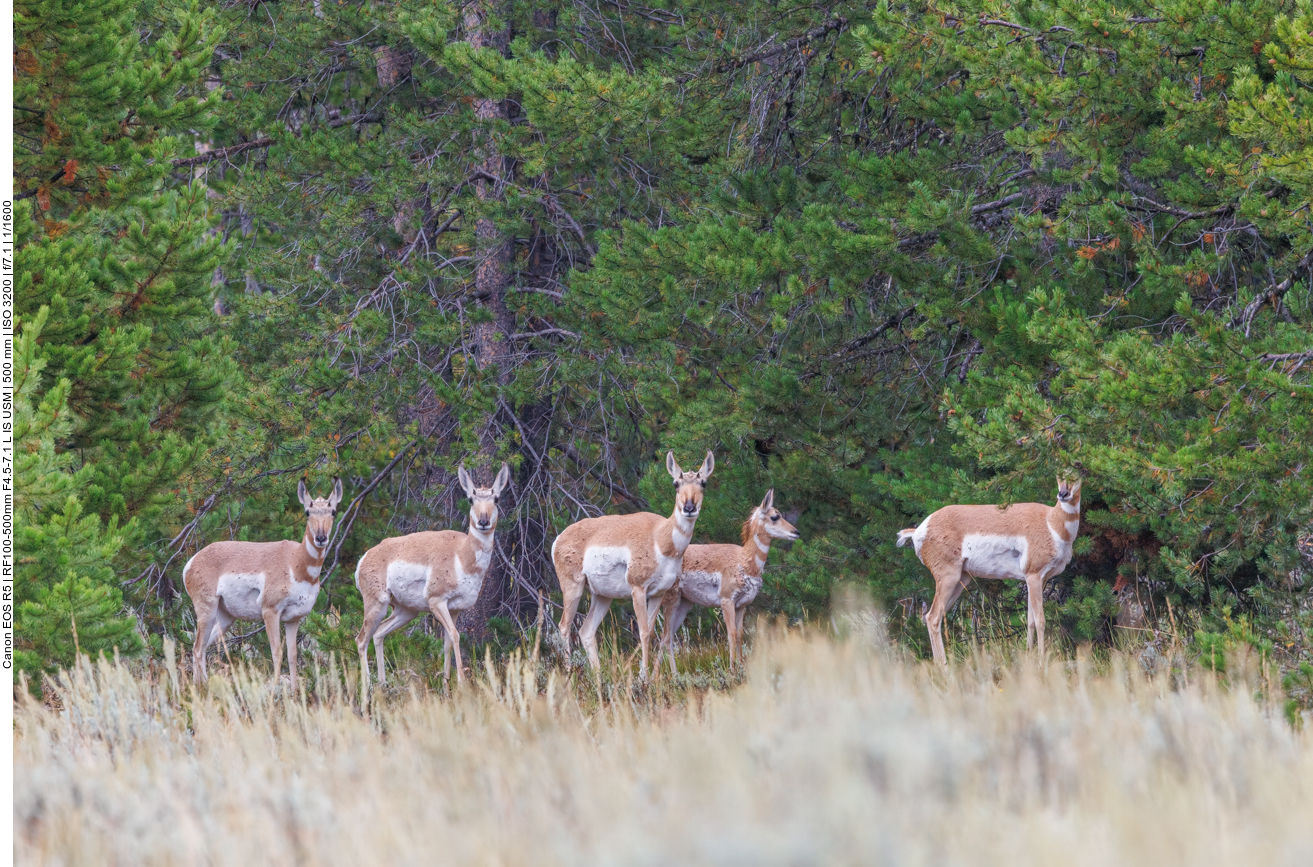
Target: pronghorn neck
x,y
312,557
479,540
756,547
1064,519
674,533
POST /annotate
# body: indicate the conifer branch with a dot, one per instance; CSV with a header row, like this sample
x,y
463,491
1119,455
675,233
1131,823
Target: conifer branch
x,y
1275,293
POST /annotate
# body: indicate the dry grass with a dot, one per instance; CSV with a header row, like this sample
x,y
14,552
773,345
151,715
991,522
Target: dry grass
x,y
830,752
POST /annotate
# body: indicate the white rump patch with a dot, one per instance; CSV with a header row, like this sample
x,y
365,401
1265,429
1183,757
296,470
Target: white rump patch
x,y
408,584
606,568
187,566
242,593
989,556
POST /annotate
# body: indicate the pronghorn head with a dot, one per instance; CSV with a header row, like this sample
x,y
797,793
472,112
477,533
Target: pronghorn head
x,y
1069,491
770,520
689,486
320,512
483,501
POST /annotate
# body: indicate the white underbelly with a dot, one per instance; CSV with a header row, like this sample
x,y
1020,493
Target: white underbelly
x,y
408,584
746,594
701,588
241,594
606,570
989,556
299,601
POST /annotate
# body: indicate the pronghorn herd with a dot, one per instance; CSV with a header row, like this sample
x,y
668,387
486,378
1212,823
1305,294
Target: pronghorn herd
x,y
642,556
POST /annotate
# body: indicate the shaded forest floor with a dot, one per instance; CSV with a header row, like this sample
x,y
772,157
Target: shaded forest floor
x,y
825,750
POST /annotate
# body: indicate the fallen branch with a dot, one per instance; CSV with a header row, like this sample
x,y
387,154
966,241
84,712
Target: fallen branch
x,y
343,528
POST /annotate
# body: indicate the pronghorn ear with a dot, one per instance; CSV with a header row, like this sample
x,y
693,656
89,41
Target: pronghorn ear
x,y
707,466
672,467
335,497
302,494
768,500
465,481
503,479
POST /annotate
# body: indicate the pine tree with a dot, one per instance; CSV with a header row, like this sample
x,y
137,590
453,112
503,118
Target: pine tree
x,y
63,575
111,241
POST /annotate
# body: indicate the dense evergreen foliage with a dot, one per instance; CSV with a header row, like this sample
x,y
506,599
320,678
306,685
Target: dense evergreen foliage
x,y
880,256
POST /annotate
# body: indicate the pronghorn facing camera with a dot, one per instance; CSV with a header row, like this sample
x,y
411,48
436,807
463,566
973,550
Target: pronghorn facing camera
x,y
727,577
1028,542
636,556
277,582
439,571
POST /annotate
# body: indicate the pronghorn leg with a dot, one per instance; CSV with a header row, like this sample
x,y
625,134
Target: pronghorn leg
x,y
588,631
400,617
292,626
738,628
675,615
271,624
572,590
1035,611
731,622
205,623
644,628
440,611
374,611
949,584
446,656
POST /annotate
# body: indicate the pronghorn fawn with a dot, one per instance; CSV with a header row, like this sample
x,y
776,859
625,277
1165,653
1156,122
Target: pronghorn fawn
x,y
1028,542
439,571
636,556
277,582
727,577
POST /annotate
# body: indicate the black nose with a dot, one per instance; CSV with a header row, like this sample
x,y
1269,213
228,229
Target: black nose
x,y
690,508
321,539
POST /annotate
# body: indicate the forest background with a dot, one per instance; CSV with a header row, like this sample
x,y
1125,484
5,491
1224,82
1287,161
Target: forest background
x,y
879,256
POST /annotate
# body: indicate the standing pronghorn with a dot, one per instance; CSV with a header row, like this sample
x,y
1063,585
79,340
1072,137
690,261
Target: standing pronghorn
x,y
727,577
1028,542
277,582
439,571
637,556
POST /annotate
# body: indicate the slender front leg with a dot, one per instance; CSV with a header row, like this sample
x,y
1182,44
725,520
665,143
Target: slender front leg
x,y
738,629
292,627
275,646
440,611
731,624
644,627
1035,613
446,655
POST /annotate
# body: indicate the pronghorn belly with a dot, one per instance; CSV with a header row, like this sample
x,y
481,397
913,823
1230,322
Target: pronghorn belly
x,y
407,583
746,594
990,556
300,600
701,588
241,594
468,585
606,569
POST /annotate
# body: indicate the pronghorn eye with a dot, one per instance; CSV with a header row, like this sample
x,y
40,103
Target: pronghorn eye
x,y
774,517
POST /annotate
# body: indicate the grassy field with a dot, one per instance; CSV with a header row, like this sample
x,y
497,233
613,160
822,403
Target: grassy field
x,y
829,751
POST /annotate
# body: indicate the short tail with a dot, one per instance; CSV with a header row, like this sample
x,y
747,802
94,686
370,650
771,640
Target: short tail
x,y
905,536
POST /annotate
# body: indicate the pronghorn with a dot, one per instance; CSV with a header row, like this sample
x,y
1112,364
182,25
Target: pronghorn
x,y
276,582
1028,542
637,556
727,577
439,571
